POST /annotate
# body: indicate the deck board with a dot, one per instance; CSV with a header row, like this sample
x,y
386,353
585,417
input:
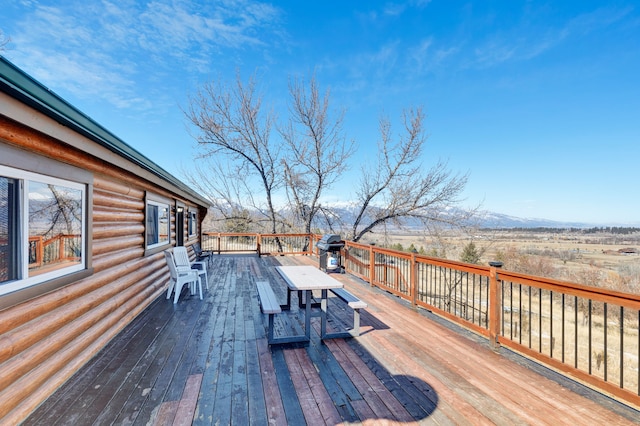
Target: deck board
x,y
212,348
65,399
208,360
273,402
187,404
290,399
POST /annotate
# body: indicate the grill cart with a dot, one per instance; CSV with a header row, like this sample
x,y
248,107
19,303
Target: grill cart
x,y
330,259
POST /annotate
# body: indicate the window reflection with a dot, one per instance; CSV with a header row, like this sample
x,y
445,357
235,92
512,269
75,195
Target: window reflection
x,y
55,227
164,224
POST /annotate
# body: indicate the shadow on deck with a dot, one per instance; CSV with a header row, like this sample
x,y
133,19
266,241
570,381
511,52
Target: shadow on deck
x,y
208,362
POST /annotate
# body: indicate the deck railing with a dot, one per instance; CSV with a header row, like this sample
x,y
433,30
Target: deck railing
x,y
62,247
259,243
587,333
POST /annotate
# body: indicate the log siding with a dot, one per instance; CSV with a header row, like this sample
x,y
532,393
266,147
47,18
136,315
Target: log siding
x,y
45,338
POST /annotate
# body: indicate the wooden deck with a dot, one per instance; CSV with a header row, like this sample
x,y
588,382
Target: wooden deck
x,y
208,362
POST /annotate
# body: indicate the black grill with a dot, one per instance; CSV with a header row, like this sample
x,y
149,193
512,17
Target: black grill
x,y
329,246
330,242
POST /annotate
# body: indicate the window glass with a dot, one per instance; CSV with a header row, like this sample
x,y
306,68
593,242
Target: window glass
x,y
9,248
152,224
55,227
192,223
158,222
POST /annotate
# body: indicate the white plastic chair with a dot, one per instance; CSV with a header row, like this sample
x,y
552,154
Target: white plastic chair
x,y
180,277
181,256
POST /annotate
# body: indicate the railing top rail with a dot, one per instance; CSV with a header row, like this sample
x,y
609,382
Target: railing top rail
x,y
244,234
231,234
466,267
357,245
286,235
575,289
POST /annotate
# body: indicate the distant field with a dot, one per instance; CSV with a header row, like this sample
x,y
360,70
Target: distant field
x,y
564,250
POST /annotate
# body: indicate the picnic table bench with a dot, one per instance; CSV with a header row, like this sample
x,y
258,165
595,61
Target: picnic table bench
x,y
268,304
355,304
305,279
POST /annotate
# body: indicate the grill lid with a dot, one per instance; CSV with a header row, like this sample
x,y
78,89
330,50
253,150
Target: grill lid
x,y
330,242
330,239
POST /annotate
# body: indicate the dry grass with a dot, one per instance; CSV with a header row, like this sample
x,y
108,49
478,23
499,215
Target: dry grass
x,y
570,336
571,257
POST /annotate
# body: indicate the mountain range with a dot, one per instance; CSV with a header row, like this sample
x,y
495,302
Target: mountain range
x,y
498,220
347,212
487,219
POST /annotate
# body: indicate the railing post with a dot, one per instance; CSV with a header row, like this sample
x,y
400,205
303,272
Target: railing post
x,y
62,254
259,244
372,265
345,262
40,252
413,280
494,308
219,242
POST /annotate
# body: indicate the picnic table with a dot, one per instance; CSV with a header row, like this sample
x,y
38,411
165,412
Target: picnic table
x,y
304,280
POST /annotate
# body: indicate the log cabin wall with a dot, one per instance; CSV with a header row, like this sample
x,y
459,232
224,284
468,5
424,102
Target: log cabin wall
x,y
45,339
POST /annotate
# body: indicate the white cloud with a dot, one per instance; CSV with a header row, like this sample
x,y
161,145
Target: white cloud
x,y
426,56
371,69
102,49
527,41
496,51
398,8
599,18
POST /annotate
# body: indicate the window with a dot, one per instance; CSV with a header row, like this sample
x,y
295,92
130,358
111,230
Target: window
x,y
191,217
157,223
42,228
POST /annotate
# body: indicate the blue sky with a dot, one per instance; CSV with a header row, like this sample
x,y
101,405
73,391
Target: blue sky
x,y
538,101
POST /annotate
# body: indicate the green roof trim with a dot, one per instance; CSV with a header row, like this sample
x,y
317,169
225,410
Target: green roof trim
x,y
28,90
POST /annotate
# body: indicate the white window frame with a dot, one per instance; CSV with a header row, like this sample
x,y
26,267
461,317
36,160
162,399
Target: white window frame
x,y
23,280
160,204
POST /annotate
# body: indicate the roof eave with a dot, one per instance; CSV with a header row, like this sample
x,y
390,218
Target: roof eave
x,y
25,88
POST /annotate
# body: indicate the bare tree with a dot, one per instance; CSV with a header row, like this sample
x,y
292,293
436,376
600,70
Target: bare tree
x,y
230,121
317,150
232,201
398,188
56,214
